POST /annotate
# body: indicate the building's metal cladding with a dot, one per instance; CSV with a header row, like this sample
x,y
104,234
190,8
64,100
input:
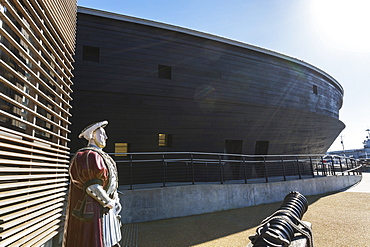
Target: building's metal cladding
x,y
166,88
37,41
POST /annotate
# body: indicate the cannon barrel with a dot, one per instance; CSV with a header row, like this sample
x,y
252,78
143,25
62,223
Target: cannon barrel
x,y
279,229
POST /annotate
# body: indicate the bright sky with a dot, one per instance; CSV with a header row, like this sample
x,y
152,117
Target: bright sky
x,y
333,35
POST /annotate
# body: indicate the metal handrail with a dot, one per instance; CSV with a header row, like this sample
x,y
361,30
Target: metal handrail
x,y
167,168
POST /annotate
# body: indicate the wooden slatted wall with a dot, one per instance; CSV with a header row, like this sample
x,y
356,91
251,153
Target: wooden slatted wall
x,y
37,44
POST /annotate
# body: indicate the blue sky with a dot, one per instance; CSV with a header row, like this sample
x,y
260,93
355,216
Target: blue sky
x,y
330,34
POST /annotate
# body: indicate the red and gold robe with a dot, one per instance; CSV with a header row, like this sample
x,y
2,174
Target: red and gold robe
x,y
83,225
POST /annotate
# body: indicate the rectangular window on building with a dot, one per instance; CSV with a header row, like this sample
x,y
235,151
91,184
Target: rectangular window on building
x,y
164,72
314,89
121,149
91,53
165,140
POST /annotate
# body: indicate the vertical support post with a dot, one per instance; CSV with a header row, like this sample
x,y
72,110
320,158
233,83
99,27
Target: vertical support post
x,y
264,166
323,166
221,169
332,165
187,171
131,173
346,159
317,169
207,172
354,172
192,169
341,167
311,165
283,166
299,170
245,170
164,170
358,170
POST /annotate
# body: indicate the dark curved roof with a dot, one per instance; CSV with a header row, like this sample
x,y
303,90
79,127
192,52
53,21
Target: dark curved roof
x,y
136,20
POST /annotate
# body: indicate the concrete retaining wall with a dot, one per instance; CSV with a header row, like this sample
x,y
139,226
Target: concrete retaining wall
x,y
170,202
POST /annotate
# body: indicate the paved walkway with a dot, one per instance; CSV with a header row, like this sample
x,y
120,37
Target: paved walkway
x,y
338,219
363,186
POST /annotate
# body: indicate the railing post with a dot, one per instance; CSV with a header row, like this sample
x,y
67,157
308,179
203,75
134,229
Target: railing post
x,y
192,169
354,172
131,174
332,165
264,166
221,169
317,170
207,172
359,171
187,171
323,166
341,168
311,165
346,159
283,166
245,170
164,170
299,170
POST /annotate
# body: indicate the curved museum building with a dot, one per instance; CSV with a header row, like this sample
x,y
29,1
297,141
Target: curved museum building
x,y
167,88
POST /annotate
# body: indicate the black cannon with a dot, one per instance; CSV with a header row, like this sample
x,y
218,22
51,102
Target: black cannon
x,y
279,228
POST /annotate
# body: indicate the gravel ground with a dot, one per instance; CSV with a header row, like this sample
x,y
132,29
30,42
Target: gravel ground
x,y
338,219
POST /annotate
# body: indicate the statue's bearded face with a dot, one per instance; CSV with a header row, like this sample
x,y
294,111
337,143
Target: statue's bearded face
x,y
100,137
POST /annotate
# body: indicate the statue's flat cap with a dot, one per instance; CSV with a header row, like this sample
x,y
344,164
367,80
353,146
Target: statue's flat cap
x,y
89,130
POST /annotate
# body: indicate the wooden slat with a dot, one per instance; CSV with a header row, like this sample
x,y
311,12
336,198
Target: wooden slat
x,y
34,100
32,125
22,205
19,199
49,30
10,54
22,177
28,170
25,219
30,156
28,210
30,163
39,236
61,56
31,183
43,235
30,190
33,138
31,150
25,67
56,21
36,53
32,144
30,226
34,113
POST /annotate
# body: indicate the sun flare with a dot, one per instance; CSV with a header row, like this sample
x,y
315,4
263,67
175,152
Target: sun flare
x,y
343,24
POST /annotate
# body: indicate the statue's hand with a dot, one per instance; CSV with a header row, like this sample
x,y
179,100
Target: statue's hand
x,y
118,207
111,204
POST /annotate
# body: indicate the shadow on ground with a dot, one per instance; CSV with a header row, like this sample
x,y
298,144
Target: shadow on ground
x,y
338,219
225,228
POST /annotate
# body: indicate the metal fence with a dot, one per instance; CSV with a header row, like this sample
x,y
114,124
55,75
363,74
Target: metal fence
x,y
161,169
